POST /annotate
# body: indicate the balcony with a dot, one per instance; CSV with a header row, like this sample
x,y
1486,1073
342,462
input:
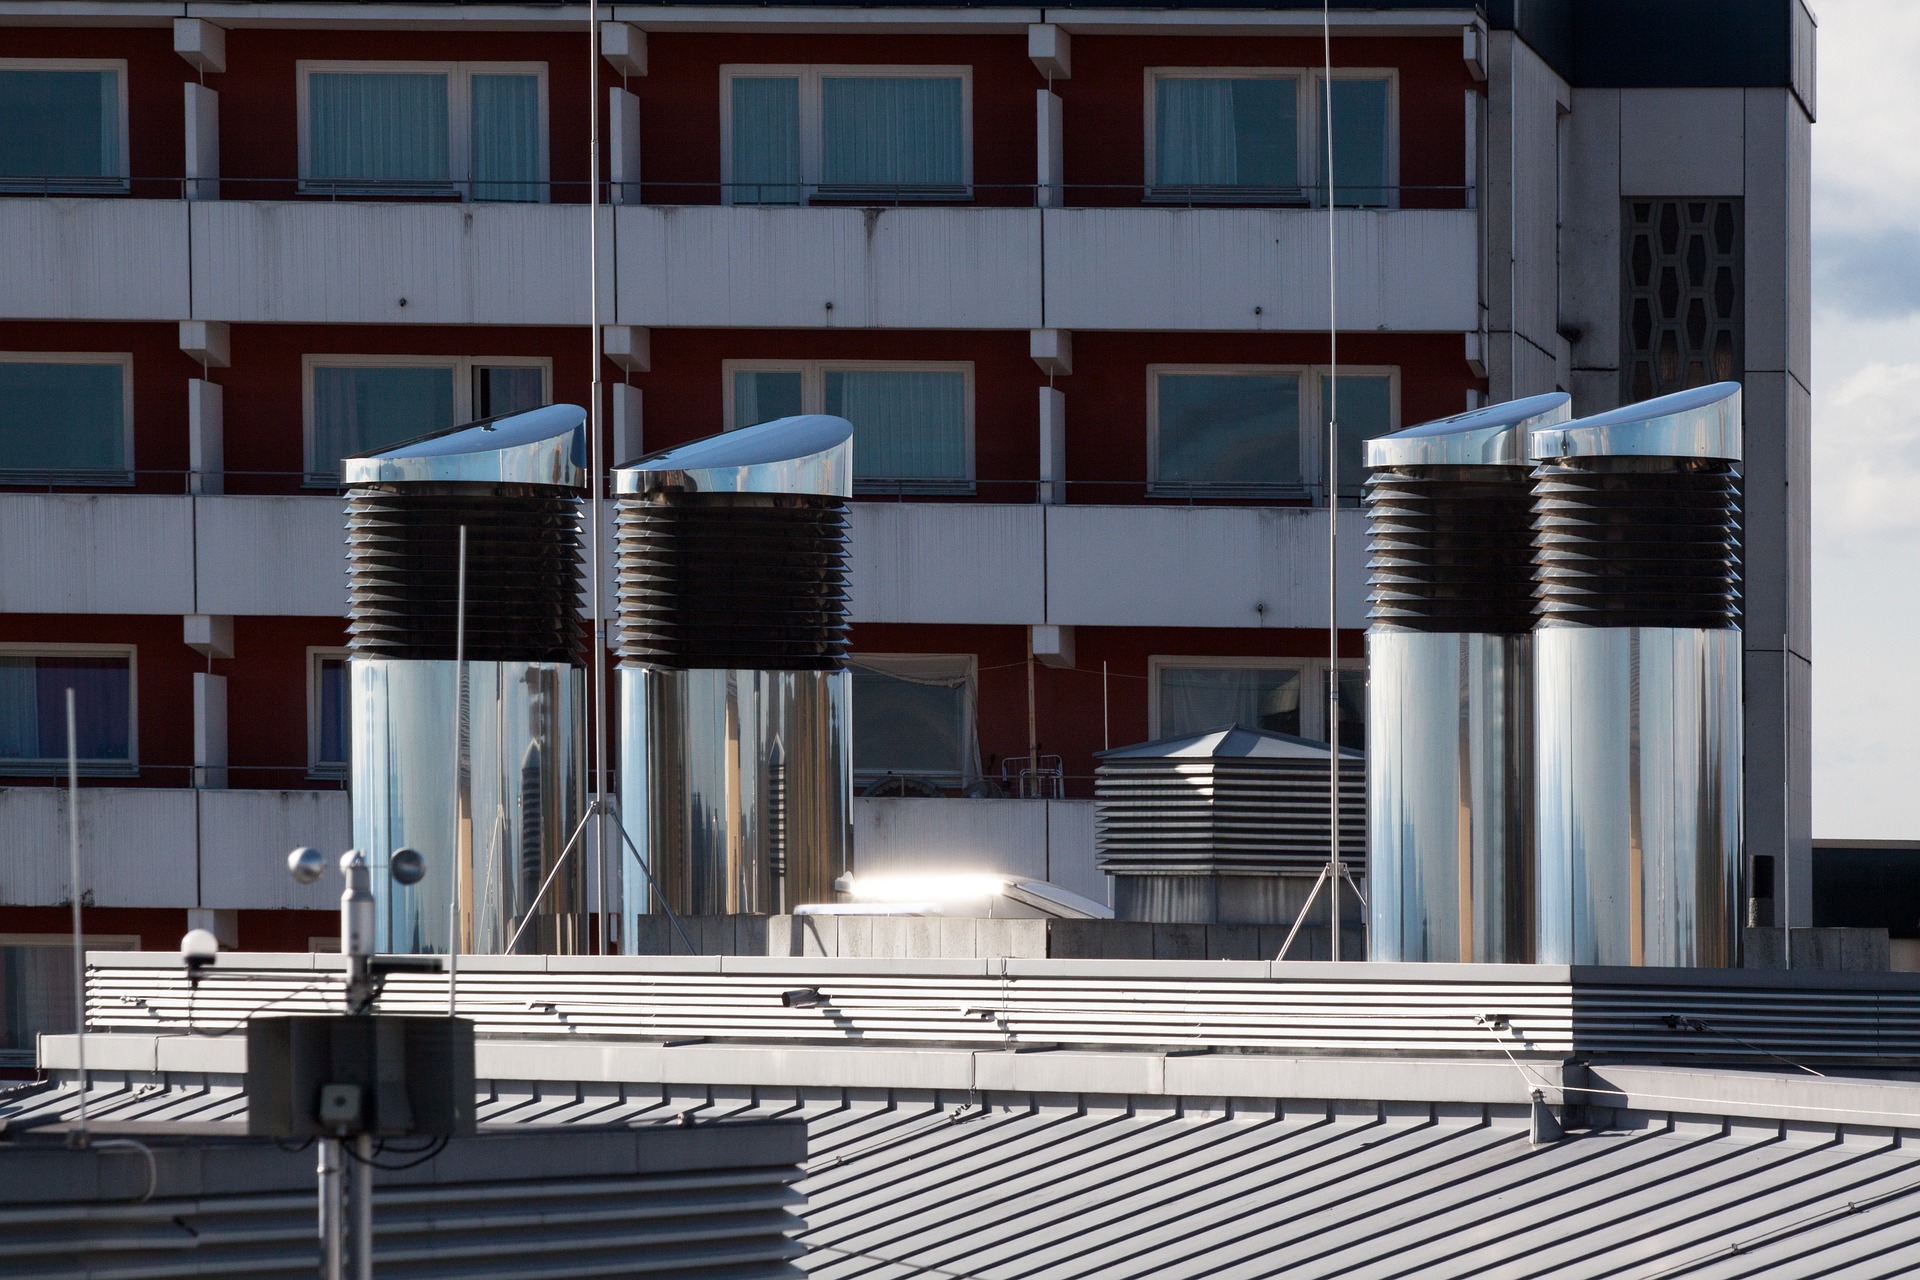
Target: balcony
x,y
970,267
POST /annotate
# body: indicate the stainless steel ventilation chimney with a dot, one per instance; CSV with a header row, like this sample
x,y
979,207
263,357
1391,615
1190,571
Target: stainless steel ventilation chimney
x,y
1449,686
478,766
736,763
1224,827
1638,683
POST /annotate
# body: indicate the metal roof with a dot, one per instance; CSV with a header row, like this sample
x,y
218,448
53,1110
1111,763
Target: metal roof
x,y
1229,742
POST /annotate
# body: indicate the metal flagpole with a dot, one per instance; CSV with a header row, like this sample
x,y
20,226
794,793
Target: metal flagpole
x,y
597,671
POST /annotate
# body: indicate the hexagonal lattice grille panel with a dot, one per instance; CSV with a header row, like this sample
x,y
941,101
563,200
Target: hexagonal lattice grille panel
x,y
1680,295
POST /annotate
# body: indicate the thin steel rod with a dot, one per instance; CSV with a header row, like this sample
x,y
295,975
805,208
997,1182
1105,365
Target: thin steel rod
x,y
597,669
1302,917
73,891
330,1224
533,907
648,873
1785,908
459,745
360,1238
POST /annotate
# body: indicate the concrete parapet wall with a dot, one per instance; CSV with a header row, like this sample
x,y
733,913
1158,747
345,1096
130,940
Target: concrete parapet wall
x,y
928,937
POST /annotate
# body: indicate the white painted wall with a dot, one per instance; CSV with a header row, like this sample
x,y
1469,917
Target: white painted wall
x,y
1412,270
95,553
93,258
244,840
948,562
1039,839
271,556
137,847
779,268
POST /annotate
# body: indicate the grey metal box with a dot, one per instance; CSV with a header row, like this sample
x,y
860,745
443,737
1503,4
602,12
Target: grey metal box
x,y
413,1076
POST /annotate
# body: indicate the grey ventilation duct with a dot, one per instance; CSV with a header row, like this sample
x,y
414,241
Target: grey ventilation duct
x,y
1224,827
1449,686
736,764
476,766
1638,683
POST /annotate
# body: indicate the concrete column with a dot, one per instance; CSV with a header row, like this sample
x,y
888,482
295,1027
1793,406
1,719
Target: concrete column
x,y
206,436
623,138
1050,179
203,143
1053,445
628,439
209,730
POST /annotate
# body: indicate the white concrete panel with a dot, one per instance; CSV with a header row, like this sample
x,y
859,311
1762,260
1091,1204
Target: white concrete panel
x,y
136,847
879,268
281,557
894,835
244,840
96,553
98,258
1681,142
947,562
352,263
1200,567
1070,850
1406,270
1590,242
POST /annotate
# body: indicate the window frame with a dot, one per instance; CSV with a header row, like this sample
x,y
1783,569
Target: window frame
x,y
25,1057
813,398
44,766
317,768
120,181
1309,130
459,184
813,129
1313,674
88,479
1313,471
463,369
968,772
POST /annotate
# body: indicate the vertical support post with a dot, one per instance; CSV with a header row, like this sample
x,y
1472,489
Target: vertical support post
x,y
1335,870
1050,188
73,891
597,670
360,1237
330,1210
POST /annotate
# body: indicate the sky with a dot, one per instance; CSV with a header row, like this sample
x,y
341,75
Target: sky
x,y
1866,421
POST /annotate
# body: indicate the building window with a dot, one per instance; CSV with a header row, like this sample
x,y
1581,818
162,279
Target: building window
x,y
36,988
329,714
1239,135
362,404
794,134
913,717
33,708
1223,431
66,417
913,423
65,125
1197,695
472,130
1683,308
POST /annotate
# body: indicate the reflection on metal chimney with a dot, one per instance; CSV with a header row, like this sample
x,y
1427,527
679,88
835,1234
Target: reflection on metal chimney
x,y
1449,685
1638,683
475,766
736,765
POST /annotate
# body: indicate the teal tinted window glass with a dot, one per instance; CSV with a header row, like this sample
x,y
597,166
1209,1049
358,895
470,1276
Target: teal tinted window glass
x,y
63,417
1360,134
1216,132
377,129
331,707
1198,699
504,389
363,408
765,127
59,130
506,137
1366,411
892,132
909,727
33,708
1228,429
761,395
907,424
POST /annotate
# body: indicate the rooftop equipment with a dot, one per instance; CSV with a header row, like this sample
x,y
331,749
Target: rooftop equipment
x,y
736,762
1224,827
475,763
1449,686
1638,683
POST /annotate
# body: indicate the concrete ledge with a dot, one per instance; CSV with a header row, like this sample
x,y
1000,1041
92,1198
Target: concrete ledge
x,y
1772,1095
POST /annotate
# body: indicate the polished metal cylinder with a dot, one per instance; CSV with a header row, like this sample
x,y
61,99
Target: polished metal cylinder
x,y
491,813
1638,675
736,760
737,784
1449,687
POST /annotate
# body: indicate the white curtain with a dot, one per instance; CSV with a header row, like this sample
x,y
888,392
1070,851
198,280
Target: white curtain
x,y
361,408
63,417
19,710
908,425
375,128
1199,699
59,125
766,140
506,137
892,133
914,715
1215,132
